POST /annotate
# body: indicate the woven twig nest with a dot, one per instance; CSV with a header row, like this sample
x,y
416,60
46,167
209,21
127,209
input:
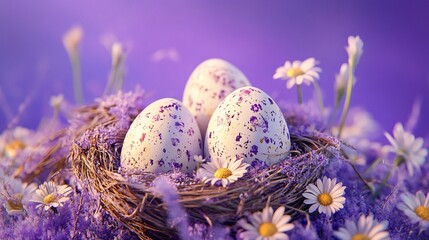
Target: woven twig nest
x,y
97,162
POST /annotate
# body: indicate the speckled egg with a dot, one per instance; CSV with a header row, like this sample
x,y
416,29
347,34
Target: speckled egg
x,y
164,136
210,82
248,124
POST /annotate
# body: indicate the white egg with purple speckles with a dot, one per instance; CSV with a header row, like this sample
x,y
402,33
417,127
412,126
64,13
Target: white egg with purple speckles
x,y
163,137
248,124
210,82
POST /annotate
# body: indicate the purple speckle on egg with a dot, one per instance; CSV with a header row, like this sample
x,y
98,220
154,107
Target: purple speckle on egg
x,y
271,101
190,132
245,91
151,162
254,149
188,154
161,162
160,136
239,101
264,125
253,123
267,140
256,107
238,137
175,141
179,124
253,120
177,165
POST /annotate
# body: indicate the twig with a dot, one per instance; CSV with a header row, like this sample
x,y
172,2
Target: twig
x,y
361,178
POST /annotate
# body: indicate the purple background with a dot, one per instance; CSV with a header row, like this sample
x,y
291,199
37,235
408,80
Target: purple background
x,y
256,36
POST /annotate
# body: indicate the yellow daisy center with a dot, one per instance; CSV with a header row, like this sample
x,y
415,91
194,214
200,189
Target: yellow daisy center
x,y
360,236
267,229
294,72
422,212
13,147
16,202
324,199
49,198
223,173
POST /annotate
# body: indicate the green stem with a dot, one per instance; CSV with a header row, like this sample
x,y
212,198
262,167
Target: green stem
x,y
120,80
112,81
383,183
373,165
298,87
56,111
77,83
319,96
347,101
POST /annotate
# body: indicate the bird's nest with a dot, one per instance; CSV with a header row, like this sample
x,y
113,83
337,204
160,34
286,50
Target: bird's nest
x,y
144,212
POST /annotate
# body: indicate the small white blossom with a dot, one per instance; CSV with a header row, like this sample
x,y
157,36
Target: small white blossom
x,y
327,196
267,225
72,39
199,159
416,207
354,50
219,169
57,101
14,140
50,195
366,228
298,72
407,147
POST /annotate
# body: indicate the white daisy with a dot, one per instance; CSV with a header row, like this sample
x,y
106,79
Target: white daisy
x,y
267,225
228,171
298,72
409,149
15,140
327,196
17,194
367,228
50,195
354,50
416,207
